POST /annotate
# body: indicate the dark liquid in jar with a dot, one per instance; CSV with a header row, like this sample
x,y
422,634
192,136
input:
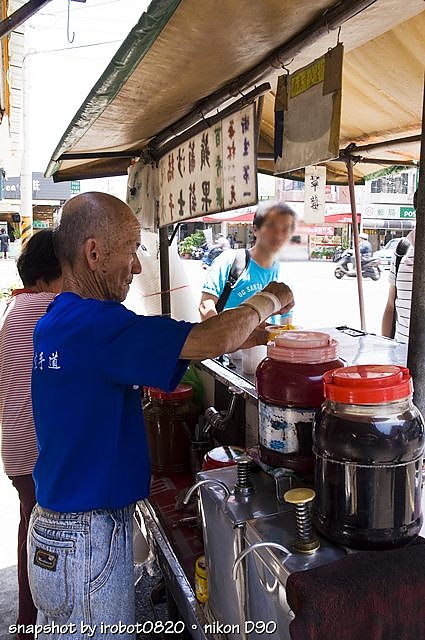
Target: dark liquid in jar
x,y
368,480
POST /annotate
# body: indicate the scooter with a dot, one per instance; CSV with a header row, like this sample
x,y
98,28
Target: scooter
x,y
346,266
197,253
210,256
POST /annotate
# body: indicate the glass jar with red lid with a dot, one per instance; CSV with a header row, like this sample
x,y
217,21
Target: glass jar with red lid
x,y
368,443
222,457
289,383
170,418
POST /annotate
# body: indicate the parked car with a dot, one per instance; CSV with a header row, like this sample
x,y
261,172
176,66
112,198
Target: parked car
x,y
386,253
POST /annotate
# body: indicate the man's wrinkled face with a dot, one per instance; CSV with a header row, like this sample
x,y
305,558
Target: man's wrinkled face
x,y
121,261
275,231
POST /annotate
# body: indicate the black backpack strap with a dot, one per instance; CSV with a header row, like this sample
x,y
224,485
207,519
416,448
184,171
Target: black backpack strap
x,y
238,268
400,251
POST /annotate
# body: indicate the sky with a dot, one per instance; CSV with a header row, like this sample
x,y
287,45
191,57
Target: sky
x,y
62,73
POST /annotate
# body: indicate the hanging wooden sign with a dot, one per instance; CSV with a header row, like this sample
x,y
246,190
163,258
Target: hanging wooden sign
x,y
308,114
314,194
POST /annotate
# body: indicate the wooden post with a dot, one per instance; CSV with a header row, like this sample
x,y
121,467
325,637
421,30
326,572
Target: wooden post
x,y
356,247
164,266
416,349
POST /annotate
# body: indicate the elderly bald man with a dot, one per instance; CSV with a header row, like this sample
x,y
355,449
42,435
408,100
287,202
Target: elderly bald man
x,y
91,354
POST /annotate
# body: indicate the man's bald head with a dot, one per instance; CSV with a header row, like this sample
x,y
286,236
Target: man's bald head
x,y
96,244
90,215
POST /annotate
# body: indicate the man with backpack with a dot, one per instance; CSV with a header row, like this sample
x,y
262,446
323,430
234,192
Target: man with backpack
x,y
237,274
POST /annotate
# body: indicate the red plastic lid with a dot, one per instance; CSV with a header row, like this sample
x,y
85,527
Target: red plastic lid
x,y
309,347
222,457
368,384
181,392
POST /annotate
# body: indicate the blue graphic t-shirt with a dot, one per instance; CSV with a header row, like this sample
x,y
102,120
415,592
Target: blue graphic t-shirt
x,y
254,279
90,359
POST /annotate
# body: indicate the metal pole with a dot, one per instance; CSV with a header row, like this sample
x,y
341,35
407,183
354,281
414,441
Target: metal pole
x,y
416,349
20,15
350,173
26,167
259,117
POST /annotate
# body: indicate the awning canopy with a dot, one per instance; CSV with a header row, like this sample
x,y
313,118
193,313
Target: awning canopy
x,y
340,218
184,56
376,223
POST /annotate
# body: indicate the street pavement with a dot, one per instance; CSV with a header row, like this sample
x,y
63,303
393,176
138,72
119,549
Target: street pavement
x,y
321,301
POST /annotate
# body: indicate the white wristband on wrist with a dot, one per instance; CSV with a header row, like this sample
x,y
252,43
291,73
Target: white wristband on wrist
x,y
276,302
260,302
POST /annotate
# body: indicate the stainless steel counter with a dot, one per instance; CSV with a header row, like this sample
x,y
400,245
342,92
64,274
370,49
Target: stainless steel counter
x,y
356,347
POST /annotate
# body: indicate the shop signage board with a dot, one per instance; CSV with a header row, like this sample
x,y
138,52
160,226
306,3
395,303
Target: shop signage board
x,y
323,231
75,187
408,213
314,194
390,212
42,188
308,113
211,172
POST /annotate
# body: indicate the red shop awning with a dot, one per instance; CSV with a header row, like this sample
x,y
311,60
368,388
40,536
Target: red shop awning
x,y
341,218
244,215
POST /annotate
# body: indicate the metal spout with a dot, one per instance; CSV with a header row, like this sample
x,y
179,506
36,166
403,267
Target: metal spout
x,y
257,545
202,482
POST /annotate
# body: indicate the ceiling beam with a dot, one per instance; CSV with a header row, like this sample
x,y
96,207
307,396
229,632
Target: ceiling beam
x,y
20,15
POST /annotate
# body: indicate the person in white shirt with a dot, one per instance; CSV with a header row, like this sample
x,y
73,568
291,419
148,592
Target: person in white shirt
x,y
400,293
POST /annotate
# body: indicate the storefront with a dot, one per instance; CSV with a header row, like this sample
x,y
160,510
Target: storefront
x,y
382,222
47,198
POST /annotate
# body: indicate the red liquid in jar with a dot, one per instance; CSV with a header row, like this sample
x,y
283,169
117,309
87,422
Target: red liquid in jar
x,y
289,395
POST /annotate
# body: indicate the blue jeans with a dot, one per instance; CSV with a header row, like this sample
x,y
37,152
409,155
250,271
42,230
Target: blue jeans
x,y
81,574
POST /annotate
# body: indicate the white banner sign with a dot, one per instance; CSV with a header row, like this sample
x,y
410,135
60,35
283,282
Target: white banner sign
x,y
314,194
213,171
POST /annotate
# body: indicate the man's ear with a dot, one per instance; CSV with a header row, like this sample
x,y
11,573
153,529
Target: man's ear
x,y
92,253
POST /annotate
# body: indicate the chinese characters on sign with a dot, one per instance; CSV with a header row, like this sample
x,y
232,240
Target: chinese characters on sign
x,y
314,194
384,211
213,171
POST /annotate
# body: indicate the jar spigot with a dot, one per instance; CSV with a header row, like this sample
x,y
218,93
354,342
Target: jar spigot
x,y
306,541
243,486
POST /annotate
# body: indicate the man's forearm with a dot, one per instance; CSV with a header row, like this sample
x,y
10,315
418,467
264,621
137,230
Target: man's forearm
x,y
221,334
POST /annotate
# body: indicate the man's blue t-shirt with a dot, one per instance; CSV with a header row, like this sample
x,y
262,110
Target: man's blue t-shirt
x,y
254,279
90,357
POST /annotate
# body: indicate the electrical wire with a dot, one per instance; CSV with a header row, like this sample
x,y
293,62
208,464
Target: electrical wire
x,y
82,7
81,46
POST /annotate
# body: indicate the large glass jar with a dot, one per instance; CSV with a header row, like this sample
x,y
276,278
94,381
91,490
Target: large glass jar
x,y
368,443
170,419
290,391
